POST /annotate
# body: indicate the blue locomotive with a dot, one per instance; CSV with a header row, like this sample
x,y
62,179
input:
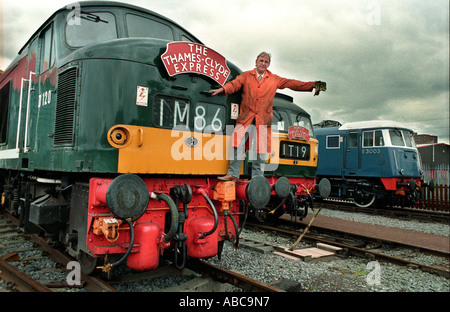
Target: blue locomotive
x,y
370,162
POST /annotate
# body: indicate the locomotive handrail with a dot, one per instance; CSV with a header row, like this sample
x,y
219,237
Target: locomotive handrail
x,y
20,112
25,139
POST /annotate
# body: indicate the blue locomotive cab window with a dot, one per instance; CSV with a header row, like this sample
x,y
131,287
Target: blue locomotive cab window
x,y
353,139
333,141
409,138
396,137
379,141
373,138
368,139
88,28
143,27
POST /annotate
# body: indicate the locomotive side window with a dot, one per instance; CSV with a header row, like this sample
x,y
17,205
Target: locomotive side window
x,y
353,139
90,28
333,141
373,138
379,141
368,138
4,107
170,112
47,50
143,27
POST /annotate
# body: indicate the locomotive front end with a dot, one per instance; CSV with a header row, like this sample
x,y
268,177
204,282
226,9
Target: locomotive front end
x,y
170,140
291,167
142,218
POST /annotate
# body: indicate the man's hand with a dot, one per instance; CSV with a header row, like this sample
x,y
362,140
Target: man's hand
x,y
216,91
320,86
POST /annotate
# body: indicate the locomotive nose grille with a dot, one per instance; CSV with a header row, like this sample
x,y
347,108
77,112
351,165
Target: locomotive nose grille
x,y
65,108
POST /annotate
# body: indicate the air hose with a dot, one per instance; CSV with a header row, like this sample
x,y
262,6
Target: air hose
x,y
173,213
167,238
216,217
112,265
236,243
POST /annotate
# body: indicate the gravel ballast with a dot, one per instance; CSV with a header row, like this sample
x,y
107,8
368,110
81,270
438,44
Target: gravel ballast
x,y
352,274
347,274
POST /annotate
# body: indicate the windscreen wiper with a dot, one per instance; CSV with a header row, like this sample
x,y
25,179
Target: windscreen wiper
x,y
92,17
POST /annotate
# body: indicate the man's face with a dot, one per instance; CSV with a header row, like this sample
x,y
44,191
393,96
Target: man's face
x,y
262,63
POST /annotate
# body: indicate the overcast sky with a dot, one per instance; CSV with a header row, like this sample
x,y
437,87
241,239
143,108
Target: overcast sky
x,y
384,59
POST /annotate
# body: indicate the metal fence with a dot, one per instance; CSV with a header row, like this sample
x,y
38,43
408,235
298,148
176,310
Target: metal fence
x,y
439,173
439,199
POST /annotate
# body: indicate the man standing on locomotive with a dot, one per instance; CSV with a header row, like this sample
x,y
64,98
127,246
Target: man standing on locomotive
x,y
259,87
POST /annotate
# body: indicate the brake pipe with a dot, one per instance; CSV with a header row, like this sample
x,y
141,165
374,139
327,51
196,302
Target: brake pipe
x,y
173,212
216,217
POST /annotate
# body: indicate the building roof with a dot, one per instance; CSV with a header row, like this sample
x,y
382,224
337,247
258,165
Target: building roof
x,y
429,145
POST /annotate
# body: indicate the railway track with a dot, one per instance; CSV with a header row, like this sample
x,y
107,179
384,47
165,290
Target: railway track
x,y
200,275
33,256
397,212
357,245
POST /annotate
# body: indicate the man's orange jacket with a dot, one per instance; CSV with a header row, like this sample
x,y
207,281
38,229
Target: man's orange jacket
x,y
257,104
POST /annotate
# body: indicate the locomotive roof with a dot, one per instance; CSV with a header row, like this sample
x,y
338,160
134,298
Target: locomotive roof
x,y
286,101
371,124
105,4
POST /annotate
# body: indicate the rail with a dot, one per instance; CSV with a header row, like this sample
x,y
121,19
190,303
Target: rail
x,y
21,281
226,276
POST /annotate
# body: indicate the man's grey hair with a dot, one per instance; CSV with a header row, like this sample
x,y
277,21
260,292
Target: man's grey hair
x,y
265,54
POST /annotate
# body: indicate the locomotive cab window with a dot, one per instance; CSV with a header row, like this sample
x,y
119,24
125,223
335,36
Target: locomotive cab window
x,y
4,108
353,139
47,50
302,121
280,120
333,141
187,39
409,139
373,138
90,28
143,27
396,137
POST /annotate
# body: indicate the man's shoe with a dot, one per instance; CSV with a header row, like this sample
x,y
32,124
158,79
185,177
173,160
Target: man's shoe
x,y
228,177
